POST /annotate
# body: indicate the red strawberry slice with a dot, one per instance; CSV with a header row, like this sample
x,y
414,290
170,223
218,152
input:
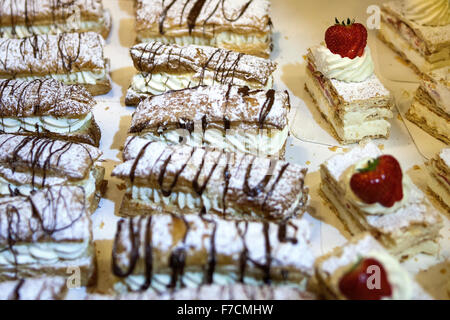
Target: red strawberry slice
x,y
380,182
346,39
354,284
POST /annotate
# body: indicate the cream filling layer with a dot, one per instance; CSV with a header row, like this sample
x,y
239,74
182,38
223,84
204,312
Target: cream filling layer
x,y
44,123
440,94
88,184
222,38
22,31
433,120
356,124
259,142
43,253
438,60
159,83
192,201
81,77
399,279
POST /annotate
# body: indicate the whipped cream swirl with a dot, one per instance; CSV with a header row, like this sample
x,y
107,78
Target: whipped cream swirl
x,y
333,66
375,208
428,12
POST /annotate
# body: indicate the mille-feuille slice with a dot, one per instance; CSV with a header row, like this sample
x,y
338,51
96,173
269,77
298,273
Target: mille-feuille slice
x,y
238,25
224,116
30,163
171,67
369,192
362,269
215,292
42,288
48,108
25,18
167,251
430,109
419,33
439,177
72,58
48,233
182,179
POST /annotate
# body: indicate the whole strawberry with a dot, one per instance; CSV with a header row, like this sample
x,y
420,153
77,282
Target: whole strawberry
x,y
346,39
380,182
354,284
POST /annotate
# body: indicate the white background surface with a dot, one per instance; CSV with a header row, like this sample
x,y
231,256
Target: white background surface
x,y
298,24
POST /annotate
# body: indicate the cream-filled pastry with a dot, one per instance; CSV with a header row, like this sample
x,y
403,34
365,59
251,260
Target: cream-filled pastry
x,y
30,163
183,179
21,19
224,116
42,288
439,177
362,269
45,234
48,108
344,87
369,192
164,68
72,58
238,25
167,251
418,31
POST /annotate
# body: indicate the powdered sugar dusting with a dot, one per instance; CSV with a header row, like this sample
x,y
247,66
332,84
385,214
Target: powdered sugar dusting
x,y
359,91
445,156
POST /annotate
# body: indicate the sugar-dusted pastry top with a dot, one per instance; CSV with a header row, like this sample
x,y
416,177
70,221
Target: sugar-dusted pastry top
x,y
223,65
43,97
220,106
41,12
44,288
51,54
53,214
435,37
216,292
205,18
192,242
34,155
241,180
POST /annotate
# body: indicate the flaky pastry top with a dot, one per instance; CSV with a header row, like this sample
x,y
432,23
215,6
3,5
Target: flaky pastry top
x,y
51,54
43,97
221,106
220,64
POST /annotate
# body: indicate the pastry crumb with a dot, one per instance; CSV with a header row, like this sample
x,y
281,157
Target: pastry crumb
x,y
304,57
107,108
381,147
399,117
102,225
346,149
121,186
416,167
333,149
308,163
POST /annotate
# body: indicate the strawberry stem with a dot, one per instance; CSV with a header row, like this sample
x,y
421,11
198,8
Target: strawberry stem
x,y
371,166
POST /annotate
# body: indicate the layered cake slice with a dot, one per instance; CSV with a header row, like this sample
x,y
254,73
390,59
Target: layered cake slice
x,y
369,192
72,58
439,177
430,109
238,25
168,251
224,117
42,288
216,292
182,179
171,67
47,233
20,19
48,108
340,79
32,163
363,270
419,31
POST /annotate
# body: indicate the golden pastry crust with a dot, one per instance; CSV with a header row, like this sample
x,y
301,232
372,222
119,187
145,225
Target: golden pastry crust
x,y
220,107
43,97
47,157
169,244
201,61
242,184
51,54
201,18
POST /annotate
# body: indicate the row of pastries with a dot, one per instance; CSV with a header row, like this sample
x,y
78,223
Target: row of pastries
x,y
210,202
